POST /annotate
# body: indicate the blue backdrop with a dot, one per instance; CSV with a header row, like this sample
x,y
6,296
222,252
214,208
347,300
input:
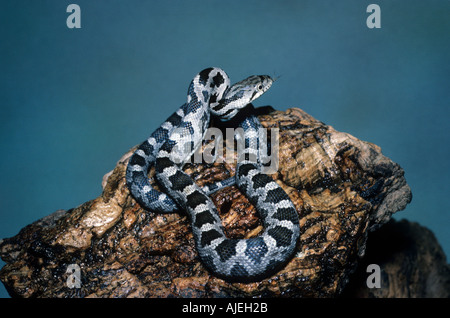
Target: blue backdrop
x,y
73,101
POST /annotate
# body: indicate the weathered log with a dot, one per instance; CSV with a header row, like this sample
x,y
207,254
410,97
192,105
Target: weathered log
x,y
343,188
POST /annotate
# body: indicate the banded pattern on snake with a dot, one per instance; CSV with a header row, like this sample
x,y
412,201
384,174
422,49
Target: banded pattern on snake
x,y
210,94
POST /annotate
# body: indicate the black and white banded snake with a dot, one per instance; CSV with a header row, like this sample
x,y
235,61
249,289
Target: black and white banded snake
x,y
210,94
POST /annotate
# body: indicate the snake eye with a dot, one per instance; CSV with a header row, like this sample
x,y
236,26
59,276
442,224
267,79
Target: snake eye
x,y
260,87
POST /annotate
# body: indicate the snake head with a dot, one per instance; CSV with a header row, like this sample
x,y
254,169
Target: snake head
x,y
240,95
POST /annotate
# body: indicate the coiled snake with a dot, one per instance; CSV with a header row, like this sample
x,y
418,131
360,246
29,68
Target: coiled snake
x,y
243,260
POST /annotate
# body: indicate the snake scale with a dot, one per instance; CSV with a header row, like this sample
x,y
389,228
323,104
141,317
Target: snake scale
x,y
210,94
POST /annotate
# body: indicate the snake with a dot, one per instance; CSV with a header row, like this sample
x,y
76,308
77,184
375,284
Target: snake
x,y
210,95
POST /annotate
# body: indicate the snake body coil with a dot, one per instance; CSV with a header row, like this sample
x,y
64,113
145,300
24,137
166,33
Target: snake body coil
x,y
209,94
